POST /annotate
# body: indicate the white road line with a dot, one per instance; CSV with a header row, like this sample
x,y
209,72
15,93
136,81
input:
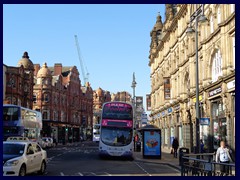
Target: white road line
x,y
80,174
59,154
143,169
61,173
93,173
107,174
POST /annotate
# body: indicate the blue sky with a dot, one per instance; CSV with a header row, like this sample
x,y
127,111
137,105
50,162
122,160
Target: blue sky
x,y
114,40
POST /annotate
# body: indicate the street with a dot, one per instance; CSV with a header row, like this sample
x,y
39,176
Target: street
x,y
82,160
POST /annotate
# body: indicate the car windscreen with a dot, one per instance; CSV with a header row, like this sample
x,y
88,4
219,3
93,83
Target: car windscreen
x,y
13,149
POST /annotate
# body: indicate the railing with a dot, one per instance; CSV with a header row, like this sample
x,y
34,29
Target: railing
x,y
204,165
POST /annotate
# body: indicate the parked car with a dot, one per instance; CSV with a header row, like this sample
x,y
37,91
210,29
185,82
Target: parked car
x,y
48,142
21,157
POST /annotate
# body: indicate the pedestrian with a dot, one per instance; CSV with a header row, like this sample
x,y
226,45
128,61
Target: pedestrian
x,y
223,156
175,146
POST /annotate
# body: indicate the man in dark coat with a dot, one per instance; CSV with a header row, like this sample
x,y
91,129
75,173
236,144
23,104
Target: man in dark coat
x,y
175,146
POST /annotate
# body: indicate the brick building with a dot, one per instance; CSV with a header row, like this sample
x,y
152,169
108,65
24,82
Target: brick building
x,y
66,105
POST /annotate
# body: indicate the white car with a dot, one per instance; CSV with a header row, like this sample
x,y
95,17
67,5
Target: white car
x,y
48,142
21,157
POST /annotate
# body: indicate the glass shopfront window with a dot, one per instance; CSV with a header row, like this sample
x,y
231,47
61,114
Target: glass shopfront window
x,y
219,124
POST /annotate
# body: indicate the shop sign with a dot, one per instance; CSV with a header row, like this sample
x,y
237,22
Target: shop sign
x,y
194,99
215,91
231,84
204,121
169,110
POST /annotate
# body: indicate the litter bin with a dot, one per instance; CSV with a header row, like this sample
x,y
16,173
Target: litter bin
x,y
138,146
183,151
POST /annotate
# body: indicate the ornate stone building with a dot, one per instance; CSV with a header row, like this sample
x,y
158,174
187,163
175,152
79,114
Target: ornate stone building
x,y
173,83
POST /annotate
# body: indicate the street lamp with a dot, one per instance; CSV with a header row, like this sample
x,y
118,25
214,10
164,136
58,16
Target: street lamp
x,y
134,83
197,16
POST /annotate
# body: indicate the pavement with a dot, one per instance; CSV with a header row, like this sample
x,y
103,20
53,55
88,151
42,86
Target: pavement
x,y
166,158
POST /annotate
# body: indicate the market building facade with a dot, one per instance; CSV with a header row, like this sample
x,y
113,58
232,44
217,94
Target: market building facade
x,y
173,83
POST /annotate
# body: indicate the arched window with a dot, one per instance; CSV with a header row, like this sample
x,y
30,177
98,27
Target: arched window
x,y
216,66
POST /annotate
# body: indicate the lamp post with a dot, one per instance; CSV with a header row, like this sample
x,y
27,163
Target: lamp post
x,y
134,83
133,101
197,16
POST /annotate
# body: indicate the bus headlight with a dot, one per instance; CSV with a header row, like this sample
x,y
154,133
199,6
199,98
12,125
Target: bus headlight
x,y
11,163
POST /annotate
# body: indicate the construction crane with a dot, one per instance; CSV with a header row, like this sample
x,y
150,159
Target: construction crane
x,y
85,76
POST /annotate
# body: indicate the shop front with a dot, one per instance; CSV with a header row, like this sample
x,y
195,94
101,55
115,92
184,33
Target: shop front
x,y
218,119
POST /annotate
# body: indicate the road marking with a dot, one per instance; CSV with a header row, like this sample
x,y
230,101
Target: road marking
x,y
142,169
108,174
93,173
80,174
59,154
61,173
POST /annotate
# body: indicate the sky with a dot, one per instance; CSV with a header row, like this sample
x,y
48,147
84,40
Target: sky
x,y
114,40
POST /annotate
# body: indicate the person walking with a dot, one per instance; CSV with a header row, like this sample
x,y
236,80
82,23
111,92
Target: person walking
x,y
175,146
223,156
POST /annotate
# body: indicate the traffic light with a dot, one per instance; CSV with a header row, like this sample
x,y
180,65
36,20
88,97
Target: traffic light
x,y
66,129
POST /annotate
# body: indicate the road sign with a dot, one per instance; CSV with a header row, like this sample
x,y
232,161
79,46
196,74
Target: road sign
x,y
204,121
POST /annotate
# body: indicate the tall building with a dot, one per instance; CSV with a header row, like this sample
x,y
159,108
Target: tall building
x,y
172,61
65,104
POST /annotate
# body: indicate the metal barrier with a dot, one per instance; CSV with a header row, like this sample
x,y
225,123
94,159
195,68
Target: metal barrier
x,y
204,165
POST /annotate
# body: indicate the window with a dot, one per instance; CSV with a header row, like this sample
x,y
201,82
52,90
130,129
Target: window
x,y
211,24
219,15
46,97
34,98
233,43
45,115
216,66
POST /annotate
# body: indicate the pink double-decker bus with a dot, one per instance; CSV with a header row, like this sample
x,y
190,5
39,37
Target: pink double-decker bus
x,y
116,137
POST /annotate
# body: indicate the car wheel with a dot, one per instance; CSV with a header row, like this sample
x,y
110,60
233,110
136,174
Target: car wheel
x,y
22,171
43,168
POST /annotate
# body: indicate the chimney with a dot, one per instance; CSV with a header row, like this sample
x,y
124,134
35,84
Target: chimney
x,y
36,69
57,69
